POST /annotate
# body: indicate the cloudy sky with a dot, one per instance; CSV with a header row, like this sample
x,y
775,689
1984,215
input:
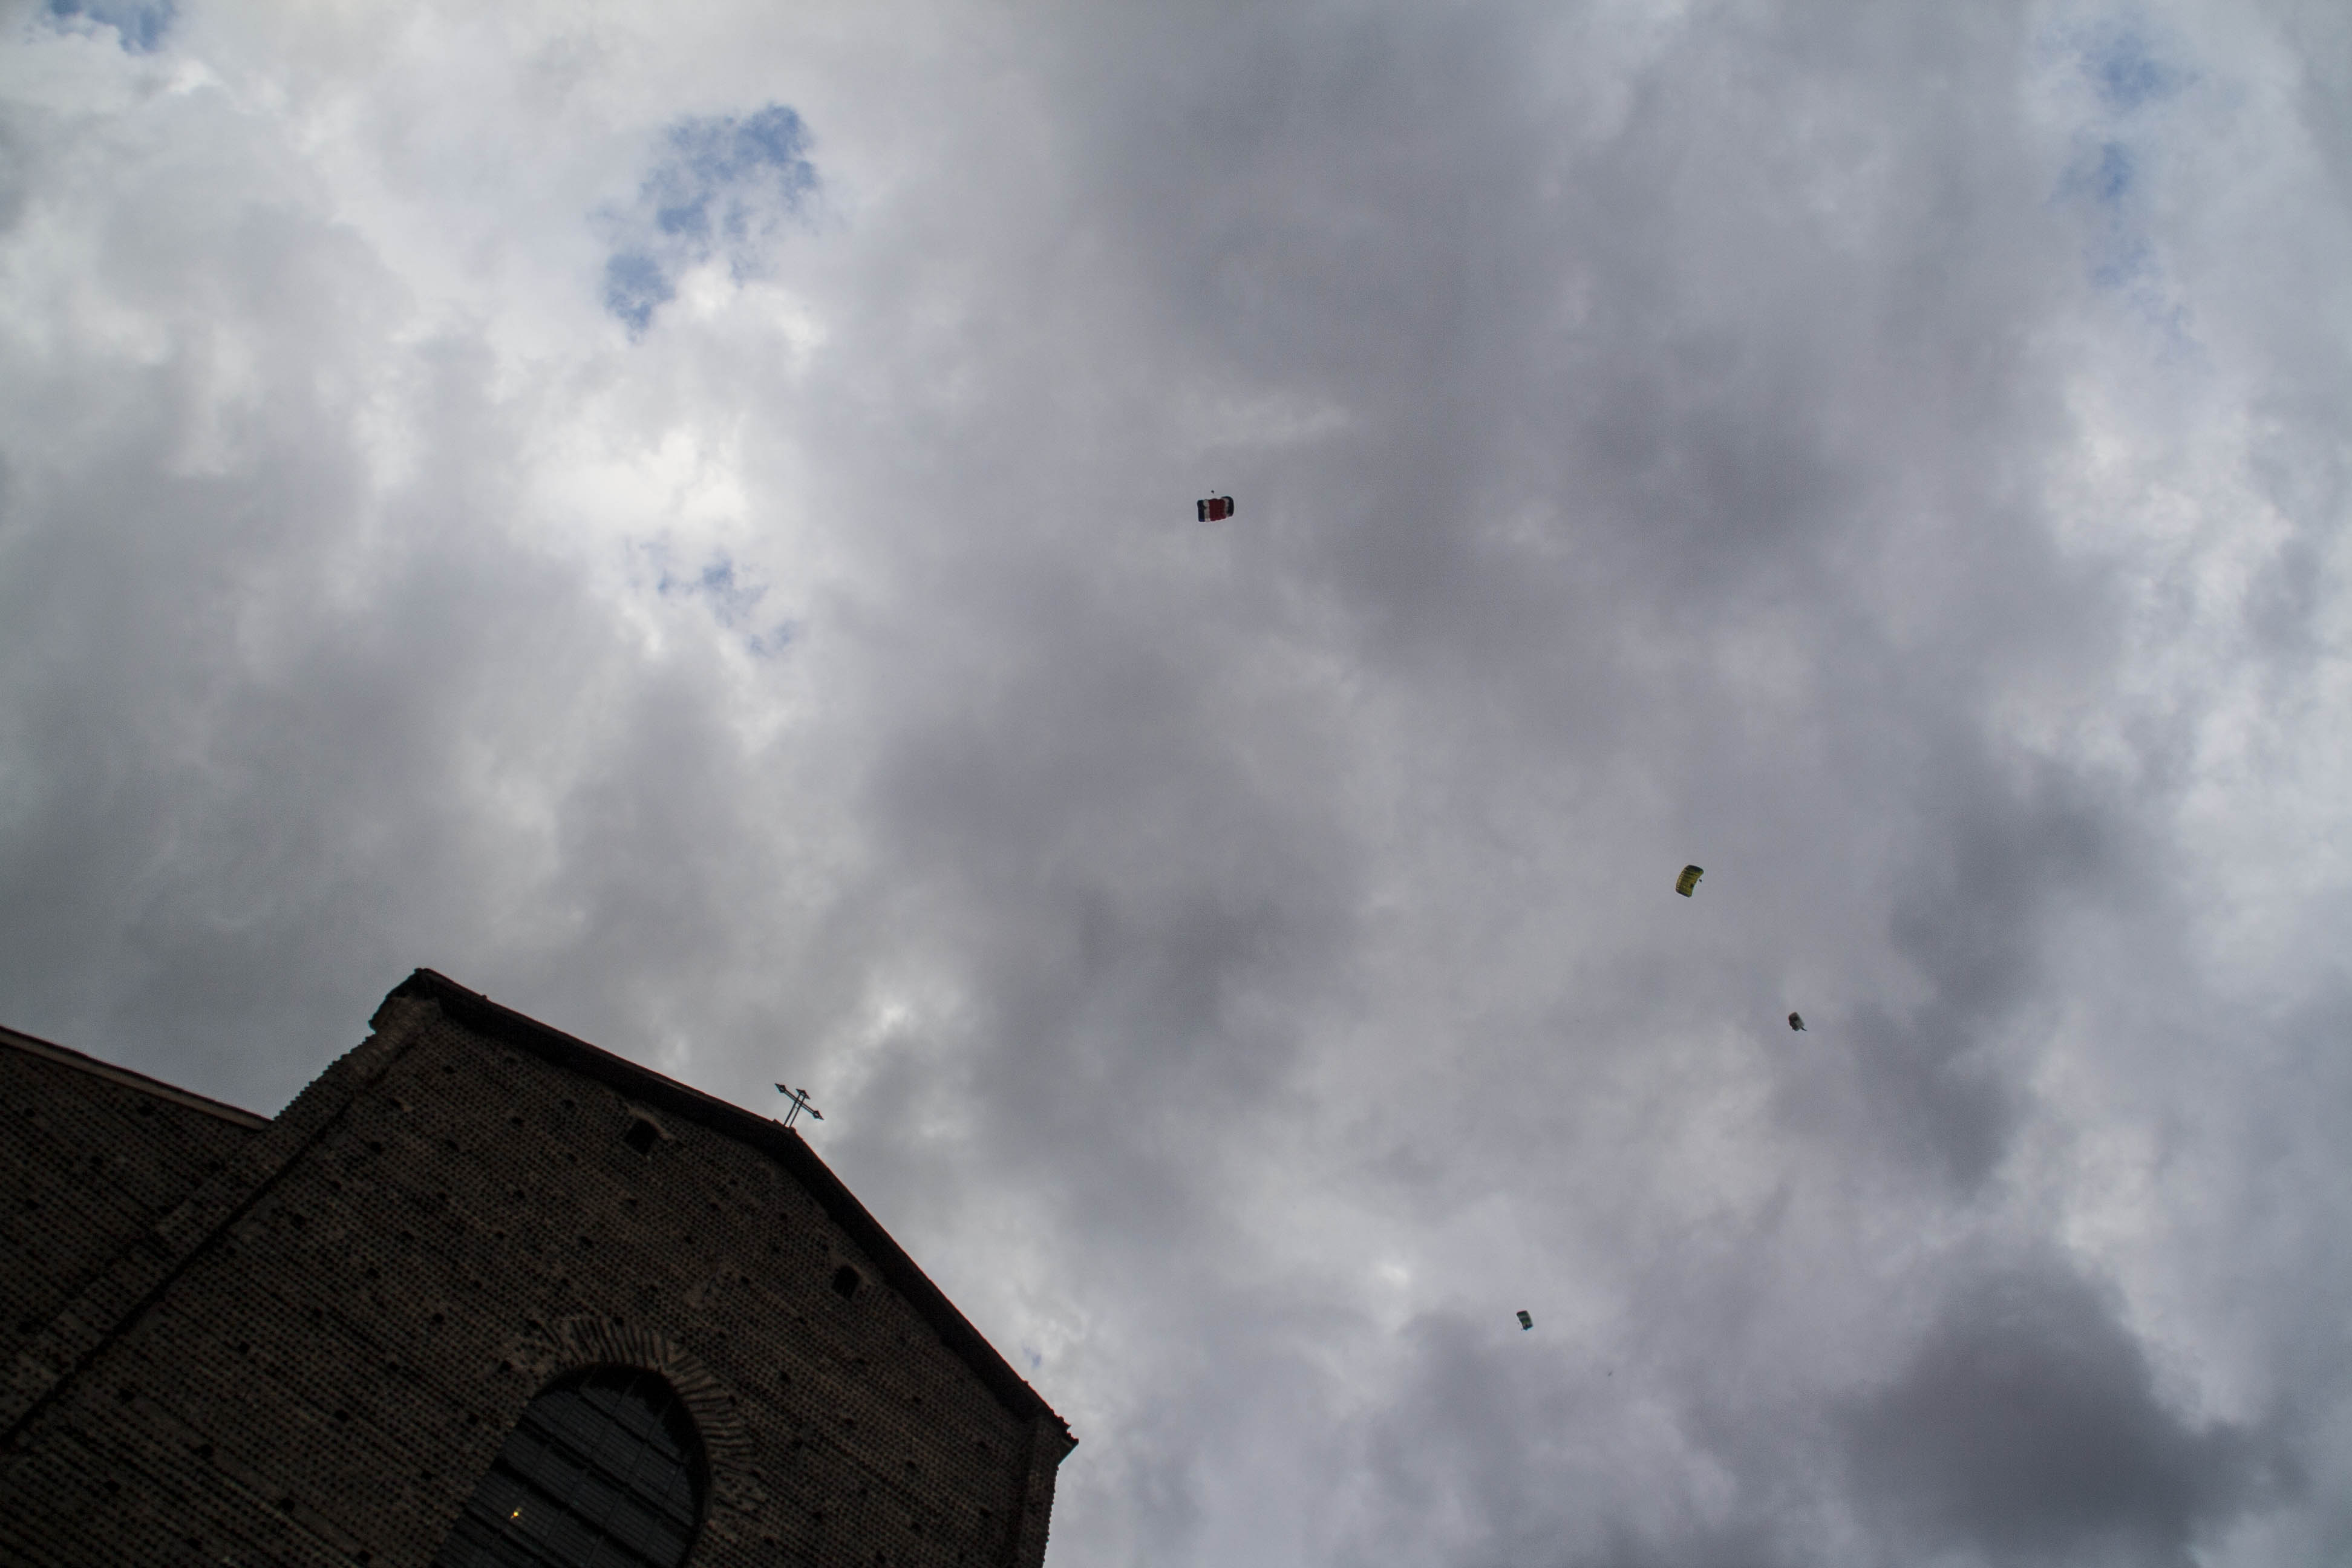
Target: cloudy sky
x,y
683,519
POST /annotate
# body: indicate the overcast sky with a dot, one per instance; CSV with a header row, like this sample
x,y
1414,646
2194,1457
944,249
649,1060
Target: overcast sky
x,y
683,519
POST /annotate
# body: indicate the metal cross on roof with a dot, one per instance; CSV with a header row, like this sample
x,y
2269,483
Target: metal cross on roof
x,y
799,1097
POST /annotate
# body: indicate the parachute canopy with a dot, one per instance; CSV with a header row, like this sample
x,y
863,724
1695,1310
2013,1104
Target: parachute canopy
x,y
1795,1021
1687,881
1216,509
1526,1321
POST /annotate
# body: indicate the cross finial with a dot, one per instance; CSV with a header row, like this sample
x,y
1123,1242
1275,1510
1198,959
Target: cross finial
x,y
799,1097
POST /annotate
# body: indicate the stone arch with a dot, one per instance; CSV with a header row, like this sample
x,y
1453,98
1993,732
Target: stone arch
x,y
548,1351
601,1465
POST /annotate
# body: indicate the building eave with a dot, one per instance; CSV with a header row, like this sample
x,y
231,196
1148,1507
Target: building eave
x,y
47,1050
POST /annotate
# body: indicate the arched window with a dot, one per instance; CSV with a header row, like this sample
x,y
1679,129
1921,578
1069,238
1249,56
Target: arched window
x,y
603,1471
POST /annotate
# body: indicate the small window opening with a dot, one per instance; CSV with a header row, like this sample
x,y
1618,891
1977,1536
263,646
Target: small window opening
x,y
846,1281
642,1136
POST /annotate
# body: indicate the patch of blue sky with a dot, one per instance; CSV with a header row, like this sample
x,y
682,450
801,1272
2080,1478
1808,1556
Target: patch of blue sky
x,y
636,286
2111,181
2131,79
723,186
2121,258
140,24
2116,62
2106,180
2124,259
733,604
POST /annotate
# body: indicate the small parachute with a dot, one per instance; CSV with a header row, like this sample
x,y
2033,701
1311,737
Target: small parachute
x,y
1526,1321
1797,1022
1216,509
1687,881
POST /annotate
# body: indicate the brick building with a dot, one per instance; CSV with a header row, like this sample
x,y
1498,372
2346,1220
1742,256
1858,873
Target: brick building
x,y
482,1293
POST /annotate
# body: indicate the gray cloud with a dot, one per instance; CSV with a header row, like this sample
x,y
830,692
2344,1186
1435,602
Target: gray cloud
x,y
2027,1424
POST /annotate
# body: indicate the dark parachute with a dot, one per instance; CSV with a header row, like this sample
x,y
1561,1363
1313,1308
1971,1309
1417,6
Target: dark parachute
x,y
1216,509
1526,1321
1796,1022
1687,881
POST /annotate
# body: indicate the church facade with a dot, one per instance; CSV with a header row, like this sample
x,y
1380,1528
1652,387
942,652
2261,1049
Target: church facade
x,y
481,1294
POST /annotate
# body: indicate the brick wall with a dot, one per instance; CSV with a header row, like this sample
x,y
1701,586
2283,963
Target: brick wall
x,y
326,1347
91,1157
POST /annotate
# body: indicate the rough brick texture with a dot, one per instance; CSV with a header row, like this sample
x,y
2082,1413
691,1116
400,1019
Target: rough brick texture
x,y
310,1353
91,1157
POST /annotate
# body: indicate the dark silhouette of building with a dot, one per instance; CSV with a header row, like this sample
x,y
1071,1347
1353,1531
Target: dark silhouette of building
x,y
481,1294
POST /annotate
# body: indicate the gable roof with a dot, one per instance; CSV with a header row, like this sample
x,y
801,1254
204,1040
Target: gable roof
x,y
786,1147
